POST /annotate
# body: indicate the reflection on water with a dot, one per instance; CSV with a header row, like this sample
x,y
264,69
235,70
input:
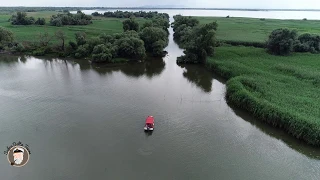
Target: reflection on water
x,y
151,67
9,60
300,146
198,75
148,133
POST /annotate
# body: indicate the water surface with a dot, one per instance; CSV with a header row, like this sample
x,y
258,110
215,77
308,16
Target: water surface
x,y
86,122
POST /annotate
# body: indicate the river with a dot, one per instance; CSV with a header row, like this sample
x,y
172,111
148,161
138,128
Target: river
x,y
86,122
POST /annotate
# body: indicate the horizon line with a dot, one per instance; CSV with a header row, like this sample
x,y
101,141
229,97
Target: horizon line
x,y
154,7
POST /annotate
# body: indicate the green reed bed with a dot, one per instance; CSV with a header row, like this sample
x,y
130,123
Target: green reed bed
x,y
255,31
283,91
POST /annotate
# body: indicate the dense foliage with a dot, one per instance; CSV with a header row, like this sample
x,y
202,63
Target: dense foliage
x,y
131,44
70,19
40,21
307,43
134,43
6,37
127,14
130,24
285,41
20,18
197,40
101,53
155,40
281,41
154,33
107,47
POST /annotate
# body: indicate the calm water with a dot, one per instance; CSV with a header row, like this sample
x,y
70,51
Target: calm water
x,y
86,122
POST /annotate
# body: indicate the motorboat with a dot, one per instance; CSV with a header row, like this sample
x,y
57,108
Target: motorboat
x,y
149,125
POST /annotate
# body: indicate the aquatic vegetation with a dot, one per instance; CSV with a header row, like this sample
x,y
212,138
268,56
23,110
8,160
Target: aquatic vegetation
x,y
282,91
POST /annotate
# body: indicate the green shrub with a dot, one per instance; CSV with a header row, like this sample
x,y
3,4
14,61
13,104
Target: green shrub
x,y
73,45
101,54
281,41
18,48
70,19
82,51
130,24
155,40
20,18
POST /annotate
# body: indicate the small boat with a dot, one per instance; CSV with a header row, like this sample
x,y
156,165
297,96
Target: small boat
x,y
149,126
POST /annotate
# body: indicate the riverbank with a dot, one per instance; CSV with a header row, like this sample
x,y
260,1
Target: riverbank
x,y
282,91
104,38
31,32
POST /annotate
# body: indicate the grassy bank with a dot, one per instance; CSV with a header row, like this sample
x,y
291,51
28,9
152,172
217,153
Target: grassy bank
x,y
283,91
256,30
31,32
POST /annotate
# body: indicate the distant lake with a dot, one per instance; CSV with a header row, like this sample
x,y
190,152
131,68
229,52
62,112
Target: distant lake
x,y
315,15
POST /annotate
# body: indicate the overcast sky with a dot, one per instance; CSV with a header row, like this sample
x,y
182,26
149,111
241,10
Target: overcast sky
x,y
287,4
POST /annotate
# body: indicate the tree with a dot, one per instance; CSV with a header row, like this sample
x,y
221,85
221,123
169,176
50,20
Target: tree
x,y
155,40
281,41
101,54
82,51
307,43
130,24
157,48
40,21
96,14
130,47
161,22
107,38
6,36
188,21
62,37
44,38
56,22
20,18
70,19
81,38
200,44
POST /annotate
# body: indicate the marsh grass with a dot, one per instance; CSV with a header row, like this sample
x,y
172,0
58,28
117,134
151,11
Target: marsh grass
x,y
282,91
256,30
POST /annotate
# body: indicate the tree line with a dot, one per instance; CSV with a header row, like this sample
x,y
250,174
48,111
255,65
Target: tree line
x,y
127,14
21,18
198,41
133,43
70,19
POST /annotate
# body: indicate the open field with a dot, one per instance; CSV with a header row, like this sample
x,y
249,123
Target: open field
x,y
30,32
283,91
256,30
